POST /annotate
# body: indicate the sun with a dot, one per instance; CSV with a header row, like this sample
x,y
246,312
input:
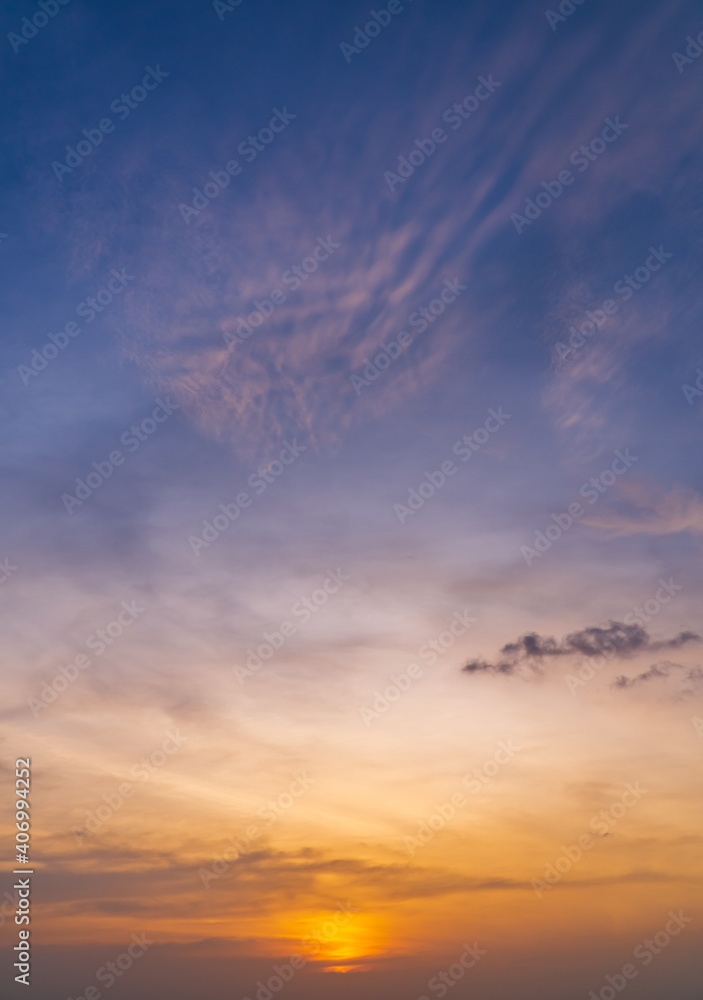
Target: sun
x,y
347,956
340,942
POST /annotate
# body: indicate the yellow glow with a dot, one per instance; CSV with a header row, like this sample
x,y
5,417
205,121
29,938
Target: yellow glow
x,y
338,941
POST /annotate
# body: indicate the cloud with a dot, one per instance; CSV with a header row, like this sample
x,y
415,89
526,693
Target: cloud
x,y
195,281
616,639
673,512
657,671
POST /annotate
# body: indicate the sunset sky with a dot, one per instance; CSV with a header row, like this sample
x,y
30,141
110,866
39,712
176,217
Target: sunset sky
x,y
352,512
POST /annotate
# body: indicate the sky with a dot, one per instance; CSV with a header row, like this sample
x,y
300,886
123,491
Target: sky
x,y
350,529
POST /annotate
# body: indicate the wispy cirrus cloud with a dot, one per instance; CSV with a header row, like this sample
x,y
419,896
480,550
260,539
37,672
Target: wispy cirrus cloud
x,y
676,511
293,374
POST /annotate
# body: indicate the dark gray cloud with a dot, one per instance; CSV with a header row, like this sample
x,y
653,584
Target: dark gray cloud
x,y
614,639
657,671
